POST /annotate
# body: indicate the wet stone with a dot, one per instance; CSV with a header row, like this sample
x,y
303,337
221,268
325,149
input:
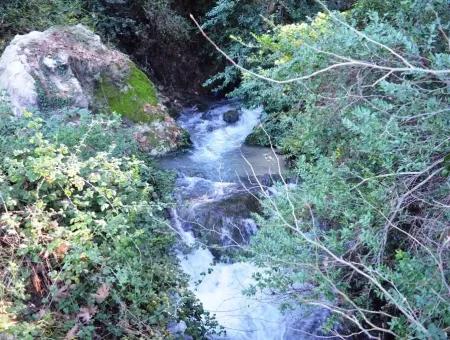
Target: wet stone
x,y
231,116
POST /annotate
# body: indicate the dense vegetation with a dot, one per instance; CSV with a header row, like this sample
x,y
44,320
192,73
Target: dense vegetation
x,y
233,25
85,247
358,100
363,116
19,17
152,32
159,34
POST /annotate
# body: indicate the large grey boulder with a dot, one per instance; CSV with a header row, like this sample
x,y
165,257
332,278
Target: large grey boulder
x,y
218,213
69,67
58,67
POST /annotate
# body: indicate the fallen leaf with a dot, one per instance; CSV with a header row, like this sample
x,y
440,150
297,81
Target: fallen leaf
x,y
102,293
72,333
36,283
86,313
61,250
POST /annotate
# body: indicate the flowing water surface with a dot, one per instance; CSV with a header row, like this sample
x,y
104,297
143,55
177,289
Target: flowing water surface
x,y
214,208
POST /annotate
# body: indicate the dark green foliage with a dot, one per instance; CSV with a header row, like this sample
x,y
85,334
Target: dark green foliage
x,y
159,35
23,16
232,23
119,18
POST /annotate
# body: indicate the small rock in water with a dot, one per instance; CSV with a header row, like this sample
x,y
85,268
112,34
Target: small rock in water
x,y
231,116
178,330
268,180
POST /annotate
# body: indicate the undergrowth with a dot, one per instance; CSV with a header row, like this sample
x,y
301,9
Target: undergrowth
x,y
86,250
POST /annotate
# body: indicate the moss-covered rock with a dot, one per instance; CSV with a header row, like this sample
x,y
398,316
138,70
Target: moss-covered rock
x,y
69,67
134,98
258,137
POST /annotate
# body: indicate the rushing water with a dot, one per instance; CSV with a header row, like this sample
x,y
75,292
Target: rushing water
x,y
218,152
214,208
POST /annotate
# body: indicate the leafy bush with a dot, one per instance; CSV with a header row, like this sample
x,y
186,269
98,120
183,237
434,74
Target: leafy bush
x,y
366,230
232,25
86,250
23,16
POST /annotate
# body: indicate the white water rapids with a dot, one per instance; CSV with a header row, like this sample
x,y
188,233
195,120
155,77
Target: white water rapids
x,y
212,138
220,292
208,173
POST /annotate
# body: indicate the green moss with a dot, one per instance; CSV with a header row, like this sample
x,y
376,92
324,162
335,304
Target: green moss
x,y
257,137
129,99
186,141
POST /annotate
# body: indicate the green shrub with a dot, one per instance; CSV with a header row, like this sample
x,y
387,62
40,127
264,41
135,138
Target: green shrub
x,y
233,25
86,249
366,229
23,16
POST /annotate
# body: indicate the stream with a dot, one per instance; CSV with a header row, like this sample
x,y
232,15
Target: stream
x,y
215,202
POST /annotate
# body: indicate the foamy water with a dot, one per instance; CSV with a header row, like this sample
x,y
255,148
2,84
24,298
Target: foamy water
x,y
217,147
216,138
221,292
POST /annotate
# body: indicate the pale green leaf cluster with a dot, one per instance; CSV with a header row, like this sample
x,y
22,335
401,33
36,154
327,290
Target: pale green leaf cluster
x,y
366,228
